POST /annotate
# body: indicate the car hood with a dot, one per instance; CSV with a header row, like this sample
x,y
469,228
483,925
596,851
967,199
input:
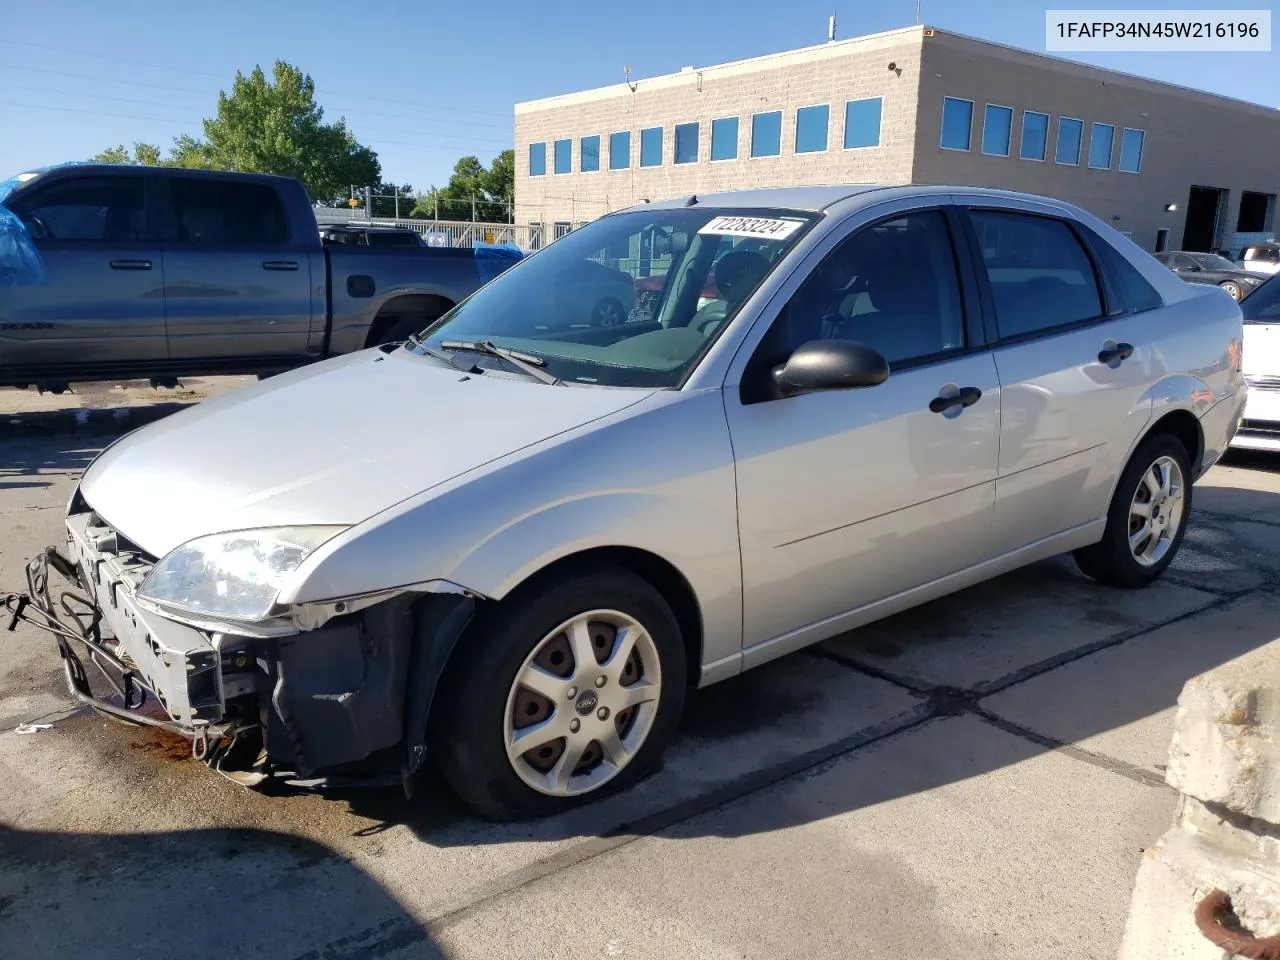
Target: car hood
x,y
332,443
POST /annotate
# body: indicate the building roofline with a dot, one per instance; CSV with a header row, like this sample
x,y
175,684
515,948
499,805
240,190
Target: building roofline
x,y
664,79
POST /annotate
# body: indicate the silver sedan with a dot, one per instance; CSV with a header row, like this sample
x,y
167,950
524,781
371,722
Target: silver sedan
x,y
514,542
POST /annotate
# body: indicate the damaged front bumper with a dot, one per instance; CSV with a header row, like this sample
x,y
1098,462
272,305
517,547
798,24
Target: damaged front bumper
x,y
345,703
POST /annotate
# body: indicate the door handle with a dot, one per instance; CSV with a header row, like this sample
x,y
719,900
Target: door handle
x,y
279,264
964,397
1115,352
130,264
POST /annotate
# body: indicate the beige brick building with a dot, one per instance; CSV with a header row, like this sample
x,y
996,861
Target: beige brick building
x,y
913,105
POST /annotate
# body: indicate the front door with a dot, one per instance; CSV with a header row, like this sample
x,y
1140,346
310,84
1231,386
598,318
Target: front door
x,y
237,285
103,304
847,497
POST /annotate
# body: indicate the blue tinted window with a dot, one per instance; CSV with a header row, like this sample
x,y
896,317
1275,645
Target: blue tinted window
x,y
811,128
957,123
564,156
686,143
766,134
1070,133
724,138
651,147
1101,138
620,150
1035,135
589,154
537,159
862,123
1131,150
997,130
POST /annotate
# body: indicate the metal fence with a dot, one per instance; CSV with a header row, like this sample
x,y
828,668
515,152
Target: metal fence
x,y
445,233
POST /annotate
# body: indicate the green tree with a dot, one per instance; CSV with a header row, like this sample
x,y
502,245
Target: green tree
x,y
384,199
144,153
491,189
272,126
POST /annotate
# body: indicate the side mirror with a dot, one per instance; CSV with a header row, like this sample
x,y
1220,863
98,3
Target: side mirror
x,y
830,365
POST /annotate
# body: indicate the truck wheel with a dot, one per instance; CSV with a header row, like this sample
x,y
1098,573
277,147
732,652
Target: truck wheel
x,y
565,692
1147,518
397,329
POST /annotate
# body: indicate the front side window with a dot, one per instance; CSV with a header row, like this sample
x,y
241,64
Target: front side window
x,y
862,123
1041,277
957,123
85,209
686,146
1035,135
1131,150
891,285
997,130
724,138
651,147
589,154
620,150
766,134
811,128
1070,133
1101,138
537,159
223,212
564,156
629,300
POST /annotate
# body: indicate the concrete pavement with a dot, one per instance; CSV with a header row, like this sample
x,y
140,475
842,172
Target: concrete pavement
x,y
973,779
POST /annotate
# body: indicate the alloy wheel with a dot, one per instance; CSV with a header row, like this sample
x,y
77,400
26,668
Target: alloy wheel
x,y
1156,511
582,703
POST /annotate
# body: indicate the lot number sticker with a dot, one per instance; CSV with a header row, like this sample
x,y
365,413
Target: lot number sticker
x,y
764,227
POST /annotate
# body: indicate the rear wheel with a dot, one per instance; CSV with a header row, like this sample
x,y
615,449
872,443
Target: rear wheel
x,y
608,312
398,329
1147,518
567,692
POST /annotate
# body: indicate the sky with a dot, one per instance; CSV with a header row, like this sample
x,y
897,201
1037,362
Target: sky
x,y
426,82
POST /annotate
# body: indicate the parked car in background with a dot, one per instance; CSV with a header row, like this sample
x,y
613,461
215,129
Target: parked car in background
x,y
1260,429
363,235
160,273
514,543
1261,258
1195,267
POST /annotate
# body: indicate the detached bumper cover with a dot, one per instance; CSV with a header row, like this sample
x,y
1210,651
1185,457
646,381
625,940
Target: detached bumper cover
x,y
305,703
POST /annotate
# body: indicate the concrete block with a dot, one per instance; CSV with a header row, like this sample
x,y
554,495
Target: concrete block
x,y
1225,749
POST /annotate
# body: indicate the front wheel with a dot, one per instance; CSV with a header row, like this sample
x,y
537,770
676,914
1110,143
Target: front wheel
x,y
565,693
1232,288
608,312
1147,518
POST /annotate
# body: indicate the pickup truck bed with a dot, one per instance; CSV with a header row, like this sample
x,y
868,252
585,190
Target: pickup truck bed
x,y
159,273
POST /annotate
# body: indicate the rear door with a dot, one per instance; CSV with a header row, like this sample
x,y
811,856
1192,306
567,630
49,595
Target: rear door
x,y
104,302
1075,360
237,281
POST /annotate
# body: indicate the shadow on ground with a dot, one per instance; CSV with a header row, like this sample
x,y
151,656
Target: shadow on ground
x,y
194,893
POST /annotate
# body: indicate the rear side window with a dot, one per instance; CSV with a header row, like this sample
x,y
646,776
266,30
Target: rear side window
x,y
1041,277
224,213
1131,287
85,209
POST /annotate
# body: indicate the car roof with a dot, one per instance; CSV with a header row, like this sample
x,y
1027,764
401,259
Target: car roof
x,y
817,198
118,168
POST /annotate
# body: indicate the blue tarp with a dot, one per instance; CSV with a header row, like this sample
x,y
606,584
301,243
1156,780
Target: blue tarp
x,y
493,258
20,261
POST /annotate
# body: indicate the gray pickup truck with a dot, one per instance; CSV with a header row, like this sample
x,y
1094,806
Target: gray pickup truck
x,y
158,273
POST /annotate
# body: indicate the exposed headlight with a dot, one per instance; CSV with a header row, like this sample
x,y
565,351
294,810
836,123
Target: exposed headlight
x,y
233,576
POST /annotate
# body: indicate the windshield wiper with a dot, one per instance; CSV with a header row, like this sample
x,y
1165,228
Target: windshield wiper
x,y
525,362
431,351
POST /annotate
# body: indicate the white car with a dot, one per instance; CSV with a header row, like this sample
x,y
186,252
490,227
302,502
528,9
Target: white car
x,y
1260,429
1261,258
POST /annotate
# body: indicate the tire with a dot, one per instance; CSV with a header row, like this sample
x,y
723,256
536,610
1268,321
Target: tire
x,y
608,312
481,705
1232,288
1111,560
399,328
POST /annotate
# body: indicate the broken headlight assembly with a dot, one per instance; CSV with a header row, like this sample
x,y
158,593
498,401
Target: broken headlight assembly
x,y
232,576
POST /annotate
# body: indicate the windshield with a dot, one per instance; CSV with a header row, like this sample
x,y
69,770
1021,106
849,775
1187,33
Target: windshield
x,y
630,300
1211,261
